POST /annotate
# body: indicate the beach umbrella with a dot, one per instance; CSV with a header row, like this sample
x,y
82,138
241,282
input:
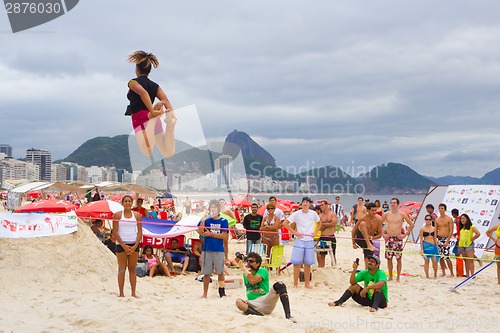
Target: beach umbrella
x,y
406,204
168,195
241,202
47,206
284,208
102,209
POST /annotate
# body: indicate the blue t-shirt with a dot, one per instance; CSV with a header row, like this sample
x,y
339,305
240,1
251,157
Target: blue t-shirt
x,y
215,244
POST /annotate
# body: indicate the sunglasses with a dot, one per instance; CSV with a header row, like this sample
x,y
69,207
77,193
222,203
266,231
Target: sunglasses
x,y
270,208
428,219
251,261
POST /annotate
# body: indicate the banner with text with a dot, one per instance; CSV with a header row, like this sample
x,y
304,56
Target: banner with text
x,y
14,225
479,202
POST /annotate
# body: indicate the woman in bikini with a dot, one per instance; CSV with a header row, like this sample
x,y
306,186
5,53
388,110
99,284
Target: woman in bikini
x,y
428,246
146,117
494,234
270,226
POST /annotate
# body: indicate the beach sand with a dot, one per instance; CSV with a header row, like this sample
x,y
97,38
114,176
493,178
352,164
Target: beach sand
x,y
68,284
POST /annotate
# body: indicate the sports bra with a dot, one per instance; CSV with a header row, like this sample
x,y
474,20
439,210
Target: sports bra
x,y
425,234
497,233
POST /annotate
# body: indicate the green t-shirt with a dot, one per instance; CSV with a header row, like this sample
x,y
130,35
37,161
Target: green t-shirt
x,y
370,279
260,289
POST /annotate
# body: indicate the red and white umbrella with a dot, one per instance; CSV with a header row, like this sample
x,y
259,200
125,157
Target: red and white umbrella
x,y
241,202
102,209
47,206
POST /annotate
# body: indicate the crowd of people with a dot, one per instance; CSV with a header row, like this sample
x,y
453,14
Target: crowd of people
x,y
313,229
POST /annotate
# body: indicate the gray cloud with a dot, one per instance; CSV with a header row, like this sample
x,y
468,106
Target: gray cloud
x,y
335,83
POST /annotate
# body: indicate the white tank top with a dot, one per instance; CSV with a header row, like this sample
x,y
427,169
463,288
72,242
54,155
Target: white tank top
x,y
127,229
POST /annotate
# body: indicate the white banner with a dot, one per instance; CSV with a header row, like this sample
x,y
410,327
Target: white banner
x,y
22,225
480,203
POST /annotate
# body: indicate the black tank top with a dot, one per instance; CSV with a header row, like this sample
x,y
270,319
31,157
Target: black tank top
x,y
136,103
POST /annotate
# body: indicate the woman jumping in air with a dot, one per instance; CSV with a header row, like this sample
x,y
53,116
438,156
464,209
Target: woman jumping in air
x,y
146,117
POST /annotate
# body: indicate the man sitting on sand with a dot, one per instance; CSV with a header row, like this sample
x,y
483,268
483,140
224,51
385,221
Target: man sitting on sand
x,y
375,291
261,299
177,254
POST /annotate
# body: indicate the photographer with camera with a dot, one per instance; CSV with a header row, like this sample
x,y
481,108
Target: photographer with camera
x,y
261,299
374,293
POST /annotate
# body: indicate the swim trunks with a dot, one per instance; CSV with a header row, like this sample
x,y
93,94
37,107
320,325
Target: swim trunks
x,y
359,239
444,251
431,251
393,248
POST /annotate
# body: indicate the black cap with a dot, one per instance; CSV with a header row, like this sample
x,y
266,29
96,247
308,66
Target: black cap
x,y
307,199
377,259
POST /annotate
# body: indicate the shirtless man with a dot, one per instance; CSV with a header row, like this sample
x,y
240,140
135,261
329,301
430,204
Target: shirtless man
x,y
358,210
366,230
328,221
444,226
394,234
226,210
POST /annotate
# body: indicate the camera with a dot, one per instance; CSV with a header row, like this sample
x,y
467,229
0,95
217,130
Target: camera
x,y
241,256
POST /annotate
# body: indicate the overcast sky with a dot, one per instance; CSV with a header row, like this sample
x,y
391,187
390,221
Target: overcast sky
x,y
353,84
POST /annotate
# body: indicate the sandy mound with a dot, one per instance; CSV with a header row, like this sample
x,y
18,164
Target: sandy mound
x,y
65,262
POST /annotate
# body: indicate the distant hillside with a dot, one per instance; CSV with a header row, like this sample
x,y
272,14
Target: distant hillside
x,y
255,157
103,151
492,177
106,151
330,179
454,180
390,177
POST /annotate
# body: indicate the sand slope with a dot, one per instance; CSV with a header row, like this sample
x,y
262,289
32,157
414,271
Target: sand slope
x,y
68,283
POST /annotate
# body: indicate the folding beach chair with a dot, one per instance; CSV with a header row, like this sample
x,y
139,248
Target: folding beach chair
x,y
323,246
277,258
260,249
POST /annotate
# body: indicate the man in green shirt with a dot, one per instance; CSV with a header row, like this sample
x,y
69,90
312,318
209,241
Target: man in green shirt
x,y
374,293
261,299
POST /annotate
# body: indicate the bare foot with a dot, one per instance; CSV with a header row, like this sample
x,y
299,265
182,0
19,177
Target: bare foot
x,y
121,295
398,280
390,278
333,303
204,296
309,287
293,320
135,296
295,286
373,310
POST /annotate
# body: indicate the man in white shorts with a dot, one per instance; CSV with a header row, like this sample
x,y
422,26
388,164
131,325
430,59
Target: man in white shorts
x,y
303,246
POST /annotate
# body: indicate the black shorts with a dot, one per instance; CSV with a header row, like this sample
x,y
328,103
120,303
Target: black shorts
x,y
360,240
119,248
365,301
333,243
